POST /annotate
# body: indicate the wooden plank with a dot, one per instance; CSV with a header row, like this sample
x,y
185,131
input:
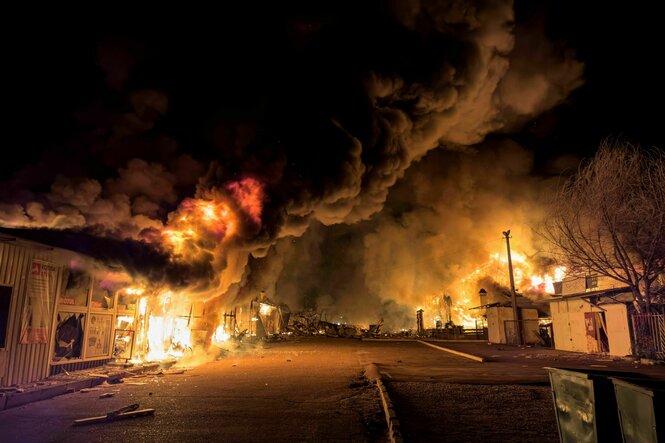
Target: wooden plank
x,y
452,351
109,418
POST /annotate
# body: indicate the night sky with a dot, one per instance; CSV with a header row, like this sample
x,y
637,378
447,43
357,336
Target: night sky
x,y
254,64
329,105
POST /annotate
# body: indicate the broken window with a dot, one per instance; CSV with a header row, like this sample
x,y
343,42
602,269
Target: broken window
x,y
76,288
126,301
102,295
68,336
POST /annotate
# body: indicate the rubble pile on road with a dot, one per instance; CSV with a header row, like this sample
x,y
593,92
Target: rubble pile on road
x,y
340,330
305,322
309,322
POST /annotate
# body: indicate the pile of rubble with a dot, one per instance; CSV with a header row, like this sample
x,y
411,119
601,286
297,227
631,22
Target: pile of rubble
x,y
309,322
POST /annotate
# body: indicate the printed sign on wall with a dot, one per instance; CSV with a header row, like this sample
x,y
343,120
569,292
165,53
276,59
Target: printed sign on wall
x,y
38,303
99,335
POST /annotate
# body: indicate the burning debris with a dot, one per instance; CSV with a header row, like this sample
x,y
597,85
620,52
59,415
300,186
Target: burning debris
x,y
365,202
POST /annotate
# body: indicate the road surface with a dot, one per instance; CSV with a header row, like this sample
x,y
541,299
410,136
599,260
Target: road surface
x,y
311,389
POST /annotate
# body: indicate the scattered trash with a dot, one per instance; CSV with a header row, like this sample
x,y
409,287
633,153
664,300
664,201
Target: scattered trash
x,y
107,395
84,390
130,411
99,375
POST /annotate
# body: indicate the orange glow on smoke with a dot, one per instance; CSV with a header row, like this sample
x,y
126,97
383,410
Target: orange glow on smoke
x,y
215,217
197,221
249,194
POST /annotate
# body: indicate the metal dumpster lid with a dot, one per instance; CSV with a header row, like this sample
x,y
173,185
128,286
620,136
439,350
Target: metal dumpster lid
x,y
644,385
591,374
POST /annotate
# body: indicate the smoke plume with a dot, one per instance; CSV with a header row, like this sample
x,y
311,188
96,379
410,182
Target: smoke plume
x,y
360,128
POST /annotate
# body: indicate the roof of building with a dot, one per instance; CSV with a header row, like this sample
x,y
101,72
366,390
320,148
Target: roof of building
x,y
609,295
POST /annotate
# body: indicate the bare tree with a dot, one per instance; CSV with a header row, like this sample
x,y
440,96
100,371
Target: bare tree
x,y
609,219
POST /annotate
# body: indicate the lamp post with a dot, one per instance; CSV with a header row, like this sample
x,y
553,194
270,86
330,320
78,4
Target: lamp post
x,y
513,296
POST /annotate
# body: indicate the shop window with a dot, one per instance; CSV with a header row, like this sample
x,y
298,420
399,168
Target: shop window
x,y
99,335
102,295
127,302
123,344
5,301
76,289
69,336
591,281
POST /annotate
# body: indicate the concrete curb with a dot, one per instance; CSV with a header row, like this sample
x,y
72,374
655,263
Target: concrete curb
x,y
387,340
413,339
443,340
452,351
14,400
394,433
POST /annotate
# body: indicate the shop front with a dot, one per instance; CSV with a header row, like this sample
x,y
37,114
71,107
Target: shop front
x,y
59,311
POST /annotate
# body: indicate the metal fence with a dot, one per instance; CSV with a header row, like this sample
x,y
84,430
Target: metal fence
x,y
649,335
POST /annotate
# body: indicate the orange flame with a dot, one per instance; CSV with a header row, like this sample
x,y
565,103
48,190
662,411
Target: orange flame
x,y
211,220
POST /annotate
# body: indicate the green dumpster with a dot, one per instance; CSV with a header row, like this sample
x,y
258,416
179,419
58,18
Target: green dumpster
x,y
641,405
585,405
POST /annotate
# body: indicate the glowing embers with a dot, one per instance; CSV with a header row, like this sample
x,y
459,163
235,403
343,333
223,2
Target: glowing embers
x,y
266,309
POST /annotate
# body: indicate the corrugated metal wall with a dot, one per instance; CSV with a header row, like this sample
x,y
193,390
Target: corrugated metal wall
x,y
78,365
23,363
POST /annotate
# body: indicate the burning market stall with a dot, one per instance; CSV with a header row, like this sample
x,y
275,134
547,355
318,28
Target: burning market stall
x,y
268,318
57,310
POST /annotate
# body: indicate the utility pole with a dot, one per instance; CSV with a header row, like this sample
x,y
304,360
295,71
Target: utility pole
x,y
513,296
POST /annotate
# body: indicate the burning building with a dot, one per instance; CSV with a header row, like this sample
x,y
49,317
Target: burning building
x,y
364,188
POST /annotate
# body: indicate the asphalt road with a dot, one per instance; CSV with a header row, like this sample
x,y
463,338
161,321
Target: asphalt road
x,y
310,389
285,392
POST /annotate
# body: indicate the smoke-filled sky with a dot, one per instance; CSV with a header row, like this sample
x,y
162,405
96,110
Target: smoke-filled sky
x,y
369,152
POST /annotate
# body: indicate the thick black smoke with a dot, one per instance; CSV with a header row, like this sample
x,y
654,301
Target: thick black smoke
x,y
328,106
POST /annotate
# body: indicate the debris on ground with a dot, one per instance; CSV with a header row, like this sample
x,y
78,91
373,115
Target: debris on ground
x,y
98,375
107,395
305,322
131,411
